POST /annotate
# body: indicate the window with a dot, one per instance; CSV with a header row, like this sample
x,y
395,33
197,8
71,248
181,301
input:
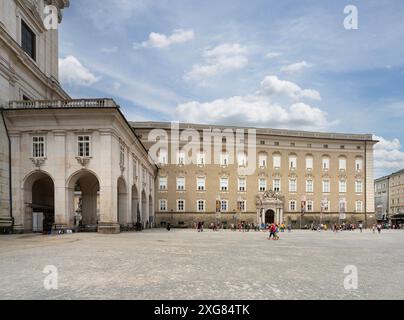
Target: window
x,y
163,205
262,160
200,184
358,186
358,164
224,159
83,146
181,158
242,159
241,205
358,206
342,163
134,168
276,143
310,206
28,40
181,183
292,144
342,186
309,186
262,142
309,163
326,186
277,161
200,160
277,185
224,184
163,183
325,146
325,205
163,158
242,184
224,206
38,147
292,185
292,205
292,162
326,163
200,205
180,205
262,184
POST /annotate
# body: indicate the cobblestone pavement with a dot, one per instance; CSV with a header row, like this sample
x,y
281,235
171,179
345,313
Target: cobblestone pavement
x,y
185,264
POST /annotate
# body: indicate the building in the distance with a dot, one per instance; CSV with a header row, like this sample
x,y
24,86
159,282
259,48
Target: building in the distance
x,y
396,197
327,176
382,190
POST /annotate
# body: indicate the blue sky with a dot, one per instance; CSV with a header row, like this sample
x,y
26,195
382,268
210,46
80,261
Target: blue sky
x,y
282,64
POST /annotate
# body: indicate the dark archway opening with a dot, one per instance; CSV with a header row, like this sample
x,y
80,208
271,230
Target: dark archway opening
x,y
269,216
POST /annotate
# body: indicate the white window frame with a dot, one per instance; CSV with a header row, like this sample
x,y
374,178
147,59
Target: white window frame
x,y
38,143
262,160
224,187
240,186
358,164
326,182
309,163
358,206
277,161
358,186
226,207
342,186
201,186
89,142
309,186
276,183
243,206
201,159
342,163
163,187
163,208
224,159
325,163
292,162
293,185
180,186
310,203
242,159
181,158
262,186
294,202
163,156
198,202
178,205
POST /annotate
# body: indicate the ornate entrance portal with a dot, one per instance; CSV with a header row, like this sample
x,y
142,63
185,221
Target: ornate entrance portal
x,y
270,207
269,216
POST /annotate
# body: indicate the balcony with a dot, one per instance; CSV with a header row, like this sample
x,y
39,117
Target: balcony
x,y
73,103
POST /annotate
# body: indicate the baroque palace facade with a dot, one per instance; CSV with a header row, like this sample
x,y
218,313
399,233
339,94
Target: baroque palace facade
x,y
54,149
326,176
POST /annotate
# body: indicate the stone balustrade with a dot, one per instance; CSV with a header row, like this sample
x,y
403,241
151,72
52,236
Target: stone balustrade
x,y
73,103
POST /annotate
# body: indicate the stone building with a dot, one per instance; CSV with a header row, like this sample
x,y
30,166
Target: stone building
x,y
63,159
382,190
326,176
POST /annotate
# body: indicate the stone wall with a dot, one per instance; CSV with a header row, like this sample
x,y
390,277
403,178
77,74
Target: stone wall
x,y
5,221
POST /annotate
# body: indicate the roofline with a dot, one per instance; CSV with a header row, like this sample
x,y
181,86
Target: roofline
x,y
261,131
390,175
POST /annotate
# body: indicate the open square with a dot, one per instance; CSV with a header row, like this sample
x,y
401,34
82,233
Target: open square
x,y
185,264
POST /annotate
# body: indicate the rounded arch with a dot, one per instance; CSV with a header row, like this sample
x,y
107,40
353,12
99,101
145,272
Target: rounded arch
x,y
39,201
123,203
83,200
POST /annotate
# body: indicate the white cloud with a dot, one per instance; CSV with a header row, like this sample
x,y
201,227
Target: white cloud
x,y
158,40
295,67
272,85
72,72
109,50
222,58
271,55
388,155
258,109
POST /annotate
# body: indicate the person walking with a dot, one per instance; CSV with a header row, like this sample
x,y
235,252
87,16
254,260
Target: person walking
x,y
360,226
379,228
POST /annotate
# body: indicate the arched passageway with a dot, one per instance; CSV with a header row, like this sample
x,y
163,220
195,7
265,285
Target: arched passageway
x,y
144,208
83,200
122,202
135,216
151,213
39,202
269,216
